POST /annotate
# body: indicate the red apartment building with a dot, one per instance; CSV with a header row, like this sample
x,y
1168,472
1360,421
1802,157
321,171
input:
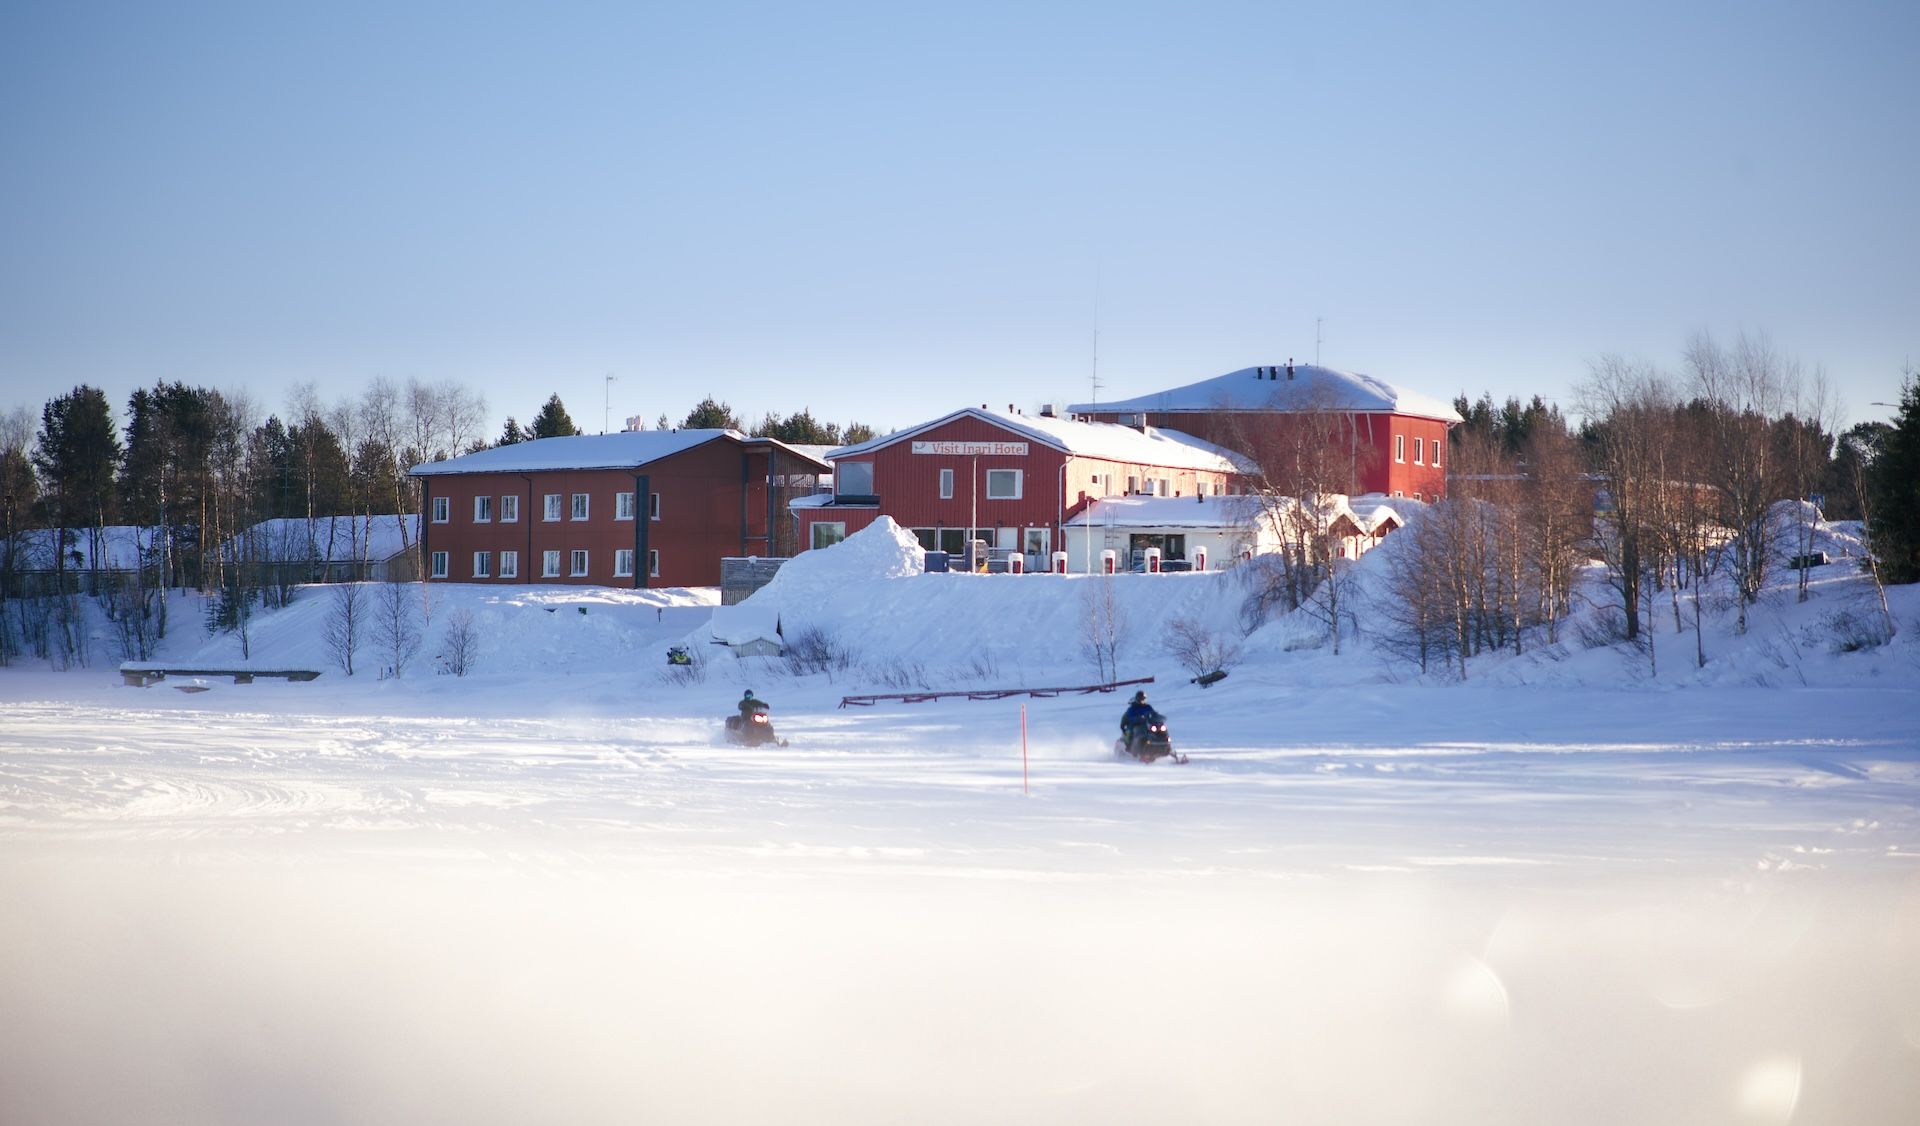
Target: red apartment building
x,y
635,509
1392,438
1010,479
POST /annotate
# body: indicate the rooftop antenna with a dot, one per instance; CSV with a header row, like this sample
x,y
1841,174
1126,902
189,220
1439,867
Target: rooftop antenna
x,y
1094,379
1317,337
606,405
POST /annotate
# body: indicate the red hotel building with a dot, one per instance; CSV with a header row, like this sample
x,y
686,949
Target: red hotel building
x,y
1010,479
635,509
1394,437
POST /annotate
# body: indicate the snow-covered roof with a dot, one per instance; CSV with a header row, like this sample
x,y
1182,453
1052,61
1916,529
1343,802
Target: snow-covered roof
x,y
1105,440
331,539
1168,512
627,449
1268,388
121,546
1368,512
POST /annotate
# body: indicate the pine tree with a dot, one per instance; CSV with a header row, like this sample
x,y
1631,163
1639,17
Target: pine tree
x,y
77,453
1893,488
512,435
553,420
711,415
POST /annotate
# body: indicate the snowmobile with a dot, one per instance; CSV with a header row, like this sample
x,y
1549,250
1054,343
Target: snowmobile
x,y
678,656
1147,742
755,729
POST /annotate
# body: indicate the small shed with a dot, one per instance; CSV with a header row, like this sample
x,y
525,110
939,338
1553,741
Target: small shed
x,y
748,630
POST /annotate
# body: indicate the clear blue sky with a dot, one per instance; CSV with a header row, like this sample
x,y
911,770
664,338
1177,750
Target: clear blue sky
x,y
888,211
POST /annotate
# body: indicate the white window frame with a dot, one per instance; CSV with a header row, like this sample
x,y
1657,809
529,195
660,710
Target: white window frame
x,y
510,508
653,563
581,508
551,510
623,563
442,510
946,484
1400,448
622,507
550,564
814,529
510,564
483,564
1419,451
439,564
1436,453
1133,484
483,509
578,562
1019,484
653,506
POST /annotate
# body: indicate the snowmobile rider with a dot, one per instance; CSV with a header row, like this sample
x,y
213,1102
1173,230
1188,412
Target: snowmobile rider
x,y
1138,715
750,705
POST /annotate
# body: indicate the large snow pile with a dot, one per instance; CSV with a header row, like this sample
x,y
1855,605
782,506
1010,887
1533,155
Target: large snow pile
x,y
869,598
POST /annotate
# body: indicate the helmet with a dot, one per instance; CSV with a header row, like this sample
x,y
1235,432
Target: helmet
x,y
747,695
1139,697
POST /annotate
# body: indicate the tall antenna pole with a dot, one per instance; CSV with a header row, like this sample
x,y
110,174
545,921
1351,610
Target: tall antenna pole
x,y
606,405
1317,322
1095,378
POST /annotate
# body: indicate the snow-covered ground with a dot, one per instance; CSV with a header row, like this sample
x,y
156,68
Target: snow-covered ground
x,y
1563,891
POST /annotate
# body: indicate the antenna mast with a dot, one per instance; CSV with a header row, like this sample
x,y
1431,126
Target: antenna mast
x,y
1317,322
1094,379
606,402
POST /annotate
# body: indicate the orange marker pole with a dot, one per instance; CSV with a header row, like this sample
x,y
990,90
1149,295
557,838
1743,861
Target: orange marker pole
x,y
1023,749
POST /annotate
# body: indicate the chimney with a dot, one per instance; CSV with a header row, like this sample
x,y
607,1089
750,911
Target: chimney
x,y
1289,368
1046,410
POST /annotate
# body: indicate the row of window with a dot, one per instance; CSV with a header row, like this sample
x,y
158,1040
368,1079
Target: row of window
x,y
578,563
509,508
1419,450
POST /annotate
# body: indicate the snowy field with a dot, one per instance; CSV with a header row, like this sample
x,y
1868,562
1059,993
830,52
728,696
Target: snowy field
x,y
548,893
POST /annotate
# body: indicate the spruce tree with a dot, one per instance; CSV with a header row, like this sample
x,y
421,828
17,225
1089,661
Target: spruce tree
x,y
512,435
553,421
1893,487
711,415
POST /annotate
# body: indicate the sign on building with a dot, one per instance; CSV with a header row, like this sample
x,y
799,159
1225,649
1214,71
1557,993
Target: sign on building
x,y
996,449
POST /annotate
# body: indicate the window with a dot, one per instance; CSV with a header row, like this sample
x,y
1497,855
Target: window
x,y
1400,447
623,506
439,564
1398,493
509,509
623,562
579,564
946,484
1436,453
549,564
509,564
440,510
483,564
553,507
1419,452
579,506
827,533
653,506
1166,488
653,564
853,478
1003,484
483,510
1416,496
1133,485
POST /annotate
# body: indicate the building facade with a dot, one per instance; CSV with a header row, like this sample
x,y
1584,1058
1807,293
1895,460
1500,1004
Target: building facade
x,y
633,509
1006,478
1357,434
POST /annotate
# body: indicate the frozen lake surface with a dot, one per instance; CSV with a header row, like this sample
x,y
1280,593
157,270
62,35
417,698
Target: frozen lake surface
x,y
1369,904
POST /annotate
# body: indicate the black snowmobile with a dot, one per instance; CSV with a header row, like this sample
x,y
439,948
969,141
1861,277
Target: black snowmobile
x,y
754,729
1147,741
